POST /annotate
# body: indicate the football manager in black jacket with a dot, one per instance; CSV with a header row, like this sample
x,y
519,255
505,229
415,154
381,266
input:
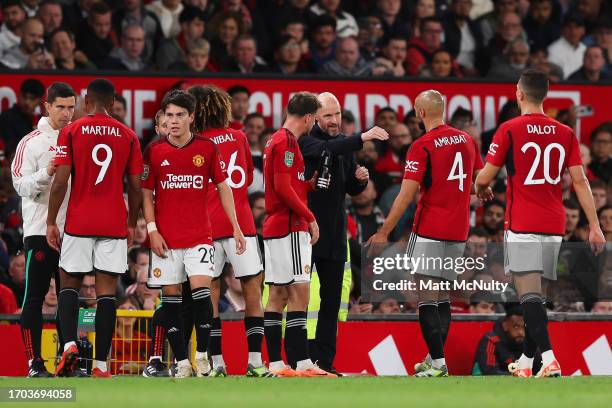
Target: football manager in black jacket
x,y
328,206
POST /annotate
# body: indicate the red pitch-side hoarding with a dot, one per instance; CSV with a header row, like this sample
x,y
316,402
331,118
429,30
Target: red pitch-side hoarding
x,y
364,98
392,348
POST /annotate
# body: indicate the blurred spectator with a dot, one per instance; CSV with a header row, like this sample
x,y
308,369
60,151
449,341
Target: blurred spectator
x,y
414,125
134,12
167,12
291,10
368,217
572,217
476,247
129,56
481,303
140,233
605,220
538,59
542,23
348,61
245,59
421,49
568,51
393,22
146,298
604,307
393,57
442,66
31,52
174,50
296,28
601,152
288,57
391,163
49,306
254,125
462,36
509,29
368,156
15,279
8,303
13,14
240,104
592,10
346,26
461,118
603,38
161,124
516,55
130,345
225,27
16,122
30,6
348,126
585,156
493,219
87,294
370,36
138,258
592,66
323,43
95,37
386,118
360,308
233,299
488,22
50,15
197,59
390,305
63,48
257,202
119,109
423,9
502,346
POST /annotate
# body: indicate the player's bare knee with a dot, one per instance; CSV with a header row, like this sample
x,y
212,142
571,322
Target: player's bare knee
x,y
171,290
200,281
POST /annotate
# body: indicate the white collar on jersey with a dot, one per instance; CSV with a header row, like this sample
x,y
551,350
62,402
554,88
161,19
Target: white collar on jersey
x,y
45,127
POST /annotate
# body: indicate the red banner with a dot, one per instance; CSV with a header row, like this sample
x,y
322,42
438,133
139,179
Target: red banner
x,y
392,348
363,98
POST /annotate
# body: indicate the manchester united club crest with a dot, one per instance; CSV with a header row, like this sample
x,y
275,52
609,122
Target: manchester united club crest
x,y
198,160
39,256
157,272
307,269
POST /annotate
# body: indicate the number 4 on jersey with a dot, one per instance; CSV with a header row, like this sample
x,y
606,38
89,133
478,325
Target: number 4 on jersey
x,y
456,172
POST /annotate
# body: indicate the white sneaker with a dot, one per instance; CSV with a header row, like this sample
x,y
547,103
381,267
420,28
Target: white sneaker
x,y
202,366
184,370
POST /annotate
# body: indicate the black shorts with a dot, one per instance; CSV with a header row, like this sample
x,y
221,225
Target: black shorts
x,y
41,265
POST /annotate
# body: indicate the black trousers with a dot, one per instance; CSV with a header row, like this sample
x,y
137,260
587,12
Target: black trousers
x,y
41,264
323,347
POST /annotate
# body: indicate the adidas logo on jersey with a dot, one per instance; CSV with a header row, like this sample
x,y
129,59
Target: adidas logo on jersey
x,y
165,163
172,330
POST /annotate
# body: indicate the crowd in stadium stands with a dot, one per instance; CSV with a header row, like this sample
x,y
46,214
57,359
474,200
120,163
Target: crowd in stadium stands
x,y
429,38
496,39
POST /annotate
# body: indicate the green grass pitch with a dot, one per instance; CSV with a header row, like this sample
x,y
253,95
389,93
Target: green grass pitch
x,y
373,392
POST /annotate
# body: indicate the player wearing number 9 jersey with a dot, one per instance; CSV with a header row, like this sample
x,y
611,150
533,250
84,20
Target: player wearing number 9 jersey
x,y
536,151
212,117
98,152
443,162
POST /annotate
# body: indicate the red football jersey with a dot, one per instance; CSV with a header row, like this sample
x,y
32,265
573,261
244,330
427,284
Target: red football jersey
x,y
443,161
282,155
236,160
536,151
179,177
101,150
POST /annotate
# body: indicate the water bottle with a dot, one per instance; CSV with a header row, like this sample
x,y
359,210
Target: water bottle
x,y
324,174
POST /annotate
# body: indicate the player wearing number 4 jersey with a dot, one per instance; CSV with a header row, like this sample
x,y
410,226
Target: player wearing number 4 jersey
x,y
98,152
536,151
443,162
212,118
177,170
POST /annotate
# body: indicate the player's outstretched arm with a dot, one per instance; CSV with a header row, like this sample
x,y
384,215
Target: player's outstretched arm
x,y
56,197
484,179
403,199
134,204
585,197
158,244
227,201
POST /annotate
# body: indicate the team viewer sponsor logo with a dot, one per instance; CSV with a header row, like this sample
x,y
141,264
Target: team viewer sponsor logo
x,y
182,181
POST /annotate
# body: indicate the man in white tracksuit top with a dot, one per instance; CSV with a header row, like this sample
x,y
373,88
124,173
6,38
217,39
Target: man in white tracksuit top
x,y
32,170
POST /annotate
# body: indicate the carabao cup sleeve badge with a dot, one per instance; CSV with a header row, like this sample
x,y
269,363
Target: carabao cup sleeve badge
x,y
289,158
